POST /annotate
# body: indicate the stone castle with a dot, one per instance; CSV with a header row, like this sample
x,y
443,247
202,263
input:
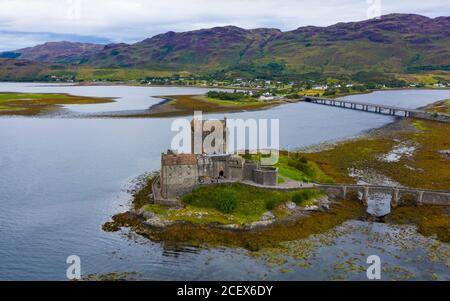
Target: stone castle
x,y
180,173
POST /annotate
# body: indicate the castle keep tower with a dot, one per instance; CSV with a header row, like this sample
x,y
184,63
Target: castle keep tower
x,y
180,173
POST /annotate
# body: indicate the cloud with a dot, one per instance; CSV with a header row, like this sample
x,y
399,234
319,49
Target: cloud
x,y
10,40
134,20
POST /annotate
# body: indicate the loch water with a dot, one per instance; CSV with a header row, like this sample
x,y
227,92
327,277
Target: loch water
x,y
62,178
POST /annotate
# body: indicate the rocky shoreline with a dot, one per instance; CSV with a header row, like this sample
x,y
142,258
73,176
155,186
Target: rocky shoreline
x,y
300,224
293,211
142,194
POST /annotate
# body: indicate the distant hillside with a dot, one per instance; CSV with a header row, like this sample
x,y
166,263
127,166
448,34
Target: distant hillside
x,y
397,43
55,52
21,70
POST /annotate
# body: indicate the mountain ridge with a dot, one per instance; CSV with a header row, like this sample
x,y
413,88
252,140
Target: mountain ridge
x,y
395,43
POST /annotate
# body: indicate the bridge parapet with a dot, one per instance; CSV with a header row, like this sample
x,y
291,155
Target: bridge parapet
x,y
400,195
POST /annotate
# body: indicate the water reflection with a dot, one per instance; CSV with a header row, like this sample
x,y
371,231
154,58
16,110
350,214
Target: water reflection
x,y
379,204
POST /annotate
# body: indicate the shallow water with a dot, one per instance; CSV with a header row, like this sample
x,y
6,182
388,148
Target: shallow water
x,y
62,178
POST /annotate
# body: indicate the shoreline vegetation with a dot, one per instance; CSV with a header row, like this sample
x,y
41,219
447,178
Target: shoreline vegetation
x,y
408,152
45,104
442,106
201,224
48,104
35,104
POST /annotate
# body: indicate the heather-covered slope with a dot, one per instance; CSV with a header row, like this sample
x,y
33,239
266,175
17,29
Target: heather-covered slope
x,y
396,43
55,52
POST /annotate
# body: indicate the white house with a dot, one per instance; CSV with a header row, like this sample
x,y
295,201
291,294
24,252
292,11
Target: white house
x,y
266,96
320,87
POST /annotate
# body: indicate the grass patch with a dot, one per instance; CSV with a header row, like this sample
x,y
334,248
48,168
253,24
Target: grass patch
x,y
296,167
306,197
299,168
281,180
244,203
155,208
419,125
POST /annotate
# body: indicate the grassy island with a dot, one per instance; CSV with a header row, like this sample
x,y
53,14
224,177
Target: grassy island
x,y
31,104
184,105
235,204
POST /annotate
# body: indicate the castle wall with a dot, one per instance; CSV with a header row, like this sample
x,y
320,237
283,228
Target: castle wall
x,y
205,169
219,167
267,176
178,180
235,173
249,168
179,173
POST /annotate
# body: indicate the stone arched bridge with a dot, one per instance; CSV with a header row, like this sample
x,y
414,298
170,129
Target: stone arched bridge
x,y
399,194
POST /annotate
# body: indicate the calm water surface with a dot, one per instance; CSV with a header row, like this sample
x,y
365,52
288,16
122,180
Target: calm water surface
x,y
62,178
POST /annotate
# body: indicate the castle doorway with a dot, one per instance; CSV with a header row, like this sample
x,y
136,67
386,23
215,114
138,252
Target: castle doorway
x,y
221,174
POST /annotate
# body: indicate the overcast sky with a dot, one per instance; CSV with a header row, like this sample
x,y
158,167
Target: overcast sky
x,y
26,23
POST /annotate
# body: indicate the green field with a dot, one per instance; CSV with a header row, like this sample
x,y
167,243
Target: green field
x,y
296,167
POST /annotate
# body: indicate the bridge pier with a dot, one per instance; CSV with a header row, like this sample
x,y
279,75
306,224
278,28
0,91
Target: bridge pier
x,y
395,198
344,192
366,195
420,198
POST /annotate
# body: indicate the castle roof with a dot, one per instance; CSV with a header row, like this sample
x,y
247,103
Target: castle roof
x,y
178,159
